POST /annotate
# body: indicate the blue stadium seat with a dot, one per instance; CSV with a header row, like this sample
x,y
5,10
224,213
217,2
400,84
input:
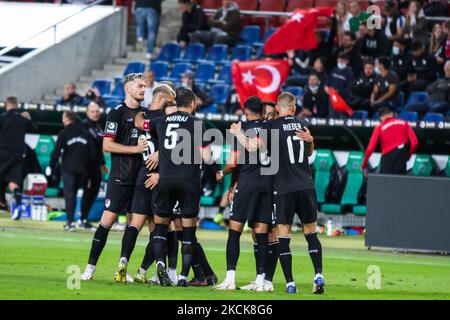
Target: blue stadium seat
x,y
219,93
402,100
434,117
408,116
213,108
159,69
266,36
112,103
193,53
224,75
169,52
241,53
417,96
250,34
376,116
134,67
205,72
217,53
177,70
360,115
296,91
103,86
118,92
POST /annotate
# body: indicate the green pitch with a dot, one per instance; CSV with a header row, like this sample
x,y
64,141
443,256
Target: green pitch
x,y
35,257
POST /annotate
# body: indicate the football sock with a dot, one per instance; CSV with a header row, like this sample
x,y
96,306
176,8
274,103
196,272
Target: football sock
x,y
286,258
206,267
221,209
98,243
172,249
233,249
17,193
315,251
262,239
255,253
129,241
159,242
272,259
149,256
260,279
231,274
188,249
197,268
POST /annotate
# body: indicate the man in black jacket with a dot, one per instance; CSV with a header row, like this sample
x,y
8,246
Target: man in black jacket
x,y
350,48
374,43
193,19
76,149
315,99
363,87
94,176
13,127
400,58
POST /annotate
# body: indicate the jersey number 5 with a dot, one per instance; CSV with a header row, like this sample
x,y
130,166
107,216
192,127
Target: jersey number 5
x,y
171,136
290,146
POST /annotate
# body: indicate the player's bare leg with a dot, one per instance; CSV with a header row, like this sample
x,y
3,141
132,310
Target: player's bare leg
x,y
159,242
187,248
128,243
233,250
285,256
98,243
315,253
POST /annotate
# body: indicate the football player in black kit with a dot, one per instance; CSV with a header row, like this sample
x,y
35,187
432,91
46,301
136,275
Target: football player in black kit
x,y
252,200
121,140
181,151
143,198
294,188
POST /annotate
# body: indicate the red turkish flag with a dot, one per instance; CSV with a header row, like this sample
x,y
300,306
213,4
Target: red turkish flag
x,y
298,33
259,78
338,102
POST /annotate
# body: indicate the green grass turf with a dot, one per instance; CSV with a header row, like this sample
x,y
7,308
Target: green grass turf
x,y
34,257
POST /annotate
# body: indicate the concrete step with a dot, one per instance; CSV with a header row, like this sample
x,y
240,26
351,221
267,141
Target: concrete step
x,y
118,68
134,55
104,74
121,61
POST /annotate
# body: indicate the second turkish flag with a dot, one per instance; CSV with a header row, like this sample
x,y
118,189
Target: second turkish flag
x,y
259,78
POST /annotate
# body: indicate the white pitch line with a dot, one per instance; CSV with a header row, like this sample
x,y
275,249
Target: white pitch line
x,y
140,243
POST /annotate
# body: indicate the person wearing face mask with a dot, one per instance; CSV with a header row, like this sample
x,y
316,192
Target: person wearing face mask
x,y
341,79
188,82
315,99
363,87
386,91
350,48
400,58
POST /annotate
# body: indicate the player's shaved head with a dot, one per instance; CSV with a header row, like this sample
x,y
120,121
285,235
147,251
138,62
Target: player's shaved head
x,y
165,88
286,102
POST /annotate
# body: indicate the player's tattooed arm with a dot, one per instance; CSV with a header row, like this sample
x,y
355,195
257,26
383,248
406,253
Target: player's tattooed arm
x,y
250,144
305,135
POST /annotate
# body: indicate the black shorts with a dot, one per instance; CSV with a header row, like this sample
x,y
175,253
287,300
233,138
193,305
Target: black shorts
x,y
143,200
118,197
304,203
252,207
11,167
395,161
176,213
187,193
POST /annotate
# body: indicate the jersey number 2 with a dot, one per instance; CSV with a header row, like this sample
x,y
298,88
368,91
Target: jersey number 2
x,y
290,146
171,136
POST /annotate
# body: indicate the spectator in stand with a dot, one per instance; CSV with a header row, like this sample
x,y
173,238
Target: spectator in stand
x,y
374,43
437,46
435,8
341,79
350,48
358,15
225,26
394,22
422,70
398,142
315,99
342,20
70,96
400,58
233,104
193,19
150,83
147,14
93,95
413,17
188,82
446,28
363,88
386,91
438,96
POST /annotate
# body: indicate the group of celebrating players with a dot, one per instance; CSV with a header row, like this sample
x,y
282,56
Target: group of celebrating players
x,y
146,181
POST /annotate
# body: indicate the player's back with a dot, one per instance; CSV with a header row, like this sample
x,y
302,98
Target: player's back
x,y
294,172
179,154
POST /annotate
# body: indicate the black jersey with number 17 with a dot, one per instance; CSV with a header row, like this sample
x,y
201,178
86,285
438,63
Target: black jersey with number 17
x,y
294,173
179,144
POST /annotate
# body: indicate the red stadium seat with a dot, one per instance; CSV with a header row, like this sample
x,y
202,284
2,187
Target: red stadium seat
x,y
326,3
299,4
272,5
247,4
210,4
